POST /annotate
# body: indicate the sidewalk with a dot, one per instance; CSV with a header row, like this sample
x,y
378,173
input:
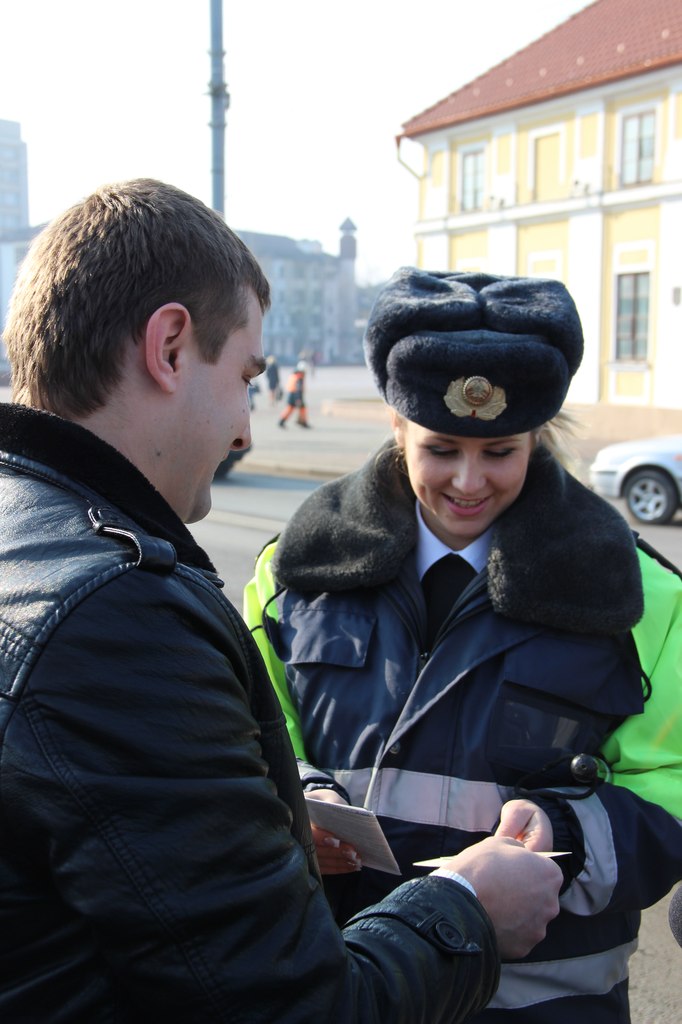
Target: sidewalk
x,y
342,436
349,422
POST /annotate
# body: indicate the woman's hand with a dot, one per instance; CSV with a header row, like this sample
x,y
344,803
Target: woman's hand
x,y
525,821
333,855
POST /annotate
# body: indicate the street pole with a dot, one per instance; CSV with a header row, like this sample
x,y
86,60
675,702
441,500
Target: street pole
x,y
220,101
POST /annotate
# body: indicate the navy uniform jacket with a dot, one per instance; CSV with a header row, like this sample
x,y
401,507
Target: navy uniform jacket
x,y
535,664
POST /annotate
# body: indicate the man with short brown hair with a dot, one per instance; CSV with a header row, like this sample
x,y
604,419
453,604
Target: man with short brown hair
x,y
156,859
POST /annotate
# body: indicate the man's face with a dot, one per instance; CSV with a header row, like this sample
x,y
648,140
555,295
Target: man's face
x,y
215,415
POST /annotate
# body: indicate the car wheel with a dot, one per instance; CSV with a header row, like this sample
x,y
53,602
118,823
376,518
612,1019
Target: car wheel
x,y
651,496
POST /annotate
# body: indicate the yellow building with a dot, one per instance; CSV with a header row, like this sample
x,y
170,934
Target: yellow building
x,y
566,161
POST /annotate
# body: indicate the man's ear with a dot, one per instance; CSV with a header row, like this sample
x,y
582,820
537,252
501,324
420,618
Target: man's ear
x,y
165,339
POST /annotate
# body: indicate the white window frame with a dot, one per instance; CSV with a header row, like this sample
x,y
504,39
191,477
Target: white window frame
x,y
478,149
620,268
636,110
640,359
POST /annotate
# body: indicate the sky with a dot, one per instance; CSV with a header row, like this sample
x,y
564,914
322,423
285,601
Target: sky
x,y
107,90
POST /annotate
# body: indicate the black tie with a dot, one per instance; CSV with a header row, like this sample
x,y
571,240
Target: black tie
x,y
443,583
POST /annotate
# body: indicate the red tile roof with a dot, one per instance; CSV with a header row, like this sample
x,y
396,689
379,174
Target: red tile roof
x,y
606,41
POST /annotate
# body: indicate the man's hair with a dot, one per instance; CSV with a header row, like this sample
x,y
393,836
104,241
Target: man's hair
x,y
94,276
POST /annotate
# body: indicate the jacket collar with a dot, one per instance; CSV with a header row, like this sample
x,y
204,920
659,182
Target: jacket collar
x,y
80,455
560,556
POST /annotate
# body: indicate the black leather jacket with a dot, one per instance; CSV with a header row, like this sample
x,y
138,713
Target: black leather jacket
x,y
152,831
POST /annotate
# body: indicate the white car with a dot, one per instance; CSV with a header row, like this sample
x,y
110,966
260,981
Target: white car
x,y
648,474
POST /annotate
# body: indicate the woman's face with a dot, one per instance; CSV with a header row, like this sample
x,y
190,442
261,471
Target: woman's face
x,y
462,483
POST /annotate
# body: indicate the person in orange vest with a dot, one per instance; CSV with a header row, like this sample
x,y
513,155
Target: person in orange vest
x,y
296,398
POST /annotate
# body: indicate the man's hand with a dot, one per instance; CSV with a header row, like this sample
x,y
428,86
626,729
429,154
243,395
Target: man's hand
x,y
525,821
518,889
333,855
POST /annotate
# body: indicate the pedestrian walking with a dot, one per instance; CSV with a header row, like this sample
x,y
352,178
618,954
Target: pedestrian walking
x,y
272,379
296,397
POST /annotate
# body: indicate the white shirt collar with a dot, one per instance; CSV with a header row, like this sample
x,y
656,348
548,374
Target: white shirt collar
x,y
430,548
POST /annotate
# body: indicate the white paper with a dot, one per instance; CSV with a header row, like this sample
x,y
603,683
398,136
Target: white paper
x,y
357,826
436,862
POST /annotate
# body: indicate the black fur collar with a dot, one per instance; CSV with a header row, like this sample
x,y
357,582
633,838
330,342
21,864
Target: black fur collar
x,y
560,555
77,453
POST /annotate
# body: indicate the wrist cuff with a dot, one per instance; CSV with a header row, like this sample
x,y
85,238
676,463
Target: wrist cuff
x,y
444,873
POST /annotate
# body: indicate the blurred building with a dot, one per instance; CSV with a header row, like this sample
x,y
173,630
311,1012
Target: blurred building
x,y
13,247
13,178
565,161
314,297
314,294
15,234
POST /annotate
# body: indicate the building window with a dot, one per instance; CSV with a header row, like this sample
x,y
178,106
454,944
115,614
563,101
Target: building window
x,y
548,157
632,317
473,180
637,162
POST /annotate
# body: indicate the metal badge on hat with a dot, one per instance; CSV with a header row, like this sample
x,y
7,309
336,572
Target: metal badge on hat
x,y
475,397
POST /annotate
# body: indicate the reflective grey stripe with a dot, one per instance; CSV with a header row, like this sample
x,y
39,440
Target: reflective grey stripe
x,y
355,782
590,891
475,807
526,984
426,799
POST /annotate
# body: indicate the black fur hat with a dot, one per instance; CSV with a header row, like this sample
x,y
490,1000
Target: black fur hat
x,y
472,354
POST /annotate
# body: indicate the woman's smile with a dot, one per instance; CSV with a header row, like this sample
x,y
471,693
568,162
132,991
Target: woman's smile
x,y
466,506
